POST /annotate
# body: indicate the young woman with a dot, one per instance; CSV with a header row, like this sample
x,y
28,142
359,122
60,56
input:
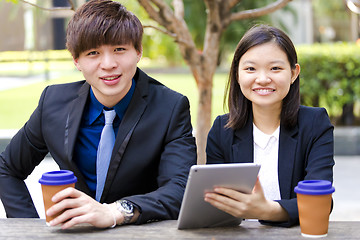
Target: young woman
x,y
267,125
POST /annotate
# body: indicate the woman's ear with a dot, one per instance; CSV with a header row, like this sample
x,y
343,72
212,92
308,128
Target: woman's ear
x,y
295,73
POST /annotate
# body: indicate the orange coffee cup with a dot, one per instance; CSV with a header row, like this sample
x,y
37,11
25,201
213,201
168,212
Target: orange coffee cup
x,y
314,204
52,183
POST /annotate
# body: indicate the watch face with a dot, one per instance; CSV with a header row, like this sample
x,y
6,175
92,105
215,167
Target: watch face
x,y
127,206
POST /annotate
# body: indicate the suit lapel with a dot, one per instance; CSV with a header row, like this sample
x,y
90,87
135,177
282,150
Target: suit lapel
x,y
74,119
131,118
72,125
243,149
287,150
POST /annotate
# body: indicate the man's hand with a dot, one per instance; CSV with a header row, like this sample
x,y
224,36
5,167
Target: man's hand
x,y
80,208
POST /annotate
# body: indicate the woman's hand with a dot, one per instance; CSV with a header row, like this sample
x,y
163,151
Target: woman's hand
x,y
80,208
247,206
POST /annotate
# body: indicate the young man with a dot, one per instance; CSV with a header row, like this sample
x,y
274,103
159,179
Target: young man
x,y
154,146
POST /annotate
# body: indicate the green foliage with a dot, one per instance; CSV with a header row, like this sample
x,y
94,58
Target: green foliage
x,y
23,63
335,9
35,55
26,98
195,17
330,75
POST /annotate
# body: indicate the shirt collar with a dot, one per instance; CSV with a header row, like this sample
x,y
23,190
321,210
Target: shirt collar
x,y
96,108
262,139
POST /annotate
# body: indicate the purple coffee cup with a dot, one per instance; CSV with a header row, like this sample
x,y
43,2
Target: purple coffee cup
x,y
61,177
314,199
52,183
314,187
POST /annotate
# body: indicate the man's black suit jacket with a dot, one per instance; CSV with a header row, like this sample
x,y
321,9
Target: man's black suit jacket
x,y
305,152
151,173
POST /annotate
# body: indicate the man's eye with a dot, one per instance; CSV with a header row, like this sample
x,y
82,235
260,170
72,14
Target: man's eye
x,y
92,53
119,49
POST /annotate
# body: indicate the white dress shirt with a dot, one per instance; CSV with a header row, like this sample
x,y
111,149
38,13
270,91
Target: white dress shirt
x,y
266,149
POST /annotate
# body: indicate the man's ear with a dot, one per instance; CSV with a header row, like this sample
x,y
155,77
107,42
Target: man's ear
x,y
77,65
139,54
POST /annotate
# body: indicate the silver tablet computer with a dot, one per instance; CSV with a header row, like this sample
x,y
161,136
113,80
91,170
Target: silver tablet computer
x,y
195,212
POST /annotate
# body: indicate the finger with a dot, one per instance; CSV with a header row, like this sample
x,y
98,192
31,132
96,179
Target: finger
x,y
69,192
231,193
223,203
74,221
68,214
64,204
221,200
72,217
215,199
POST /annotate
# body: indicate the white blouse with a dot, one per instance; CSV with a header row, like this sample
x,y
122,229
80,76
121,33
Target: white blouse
x,y
266,151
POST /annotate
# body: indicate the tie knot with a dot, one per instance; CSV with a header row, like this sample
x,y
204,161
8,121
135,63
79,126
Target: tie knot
x,y
109,116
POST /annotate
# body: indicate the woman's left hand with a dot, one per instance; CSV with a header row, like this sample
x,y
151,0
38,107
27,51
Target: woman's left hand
x,y
247,206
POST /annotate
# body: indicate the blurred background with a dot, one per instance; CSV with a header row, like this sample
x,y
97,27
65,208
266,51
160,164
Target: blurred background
x,y
325,33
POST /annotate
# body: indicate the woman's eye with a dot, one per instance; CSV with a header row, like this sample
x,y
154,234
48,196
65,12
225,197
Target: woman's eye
x,y
276,68
250,69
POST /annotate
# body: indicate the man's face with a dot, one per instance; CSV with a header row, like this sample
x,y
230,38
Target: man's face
x,y
109,70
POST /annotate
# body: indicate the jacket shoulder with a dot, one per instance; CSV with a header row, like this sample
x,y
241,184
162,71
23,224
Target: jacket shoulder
x,y
317,117
309,113
72,86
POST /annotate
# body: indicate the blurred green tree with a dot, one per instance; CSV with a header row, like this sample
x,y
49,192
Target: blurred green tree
x,y
201,50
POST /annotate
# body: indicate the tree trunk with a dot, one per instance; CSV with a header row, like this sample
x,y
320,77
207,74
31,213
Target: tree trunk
x,y
202,65
203,123
347,116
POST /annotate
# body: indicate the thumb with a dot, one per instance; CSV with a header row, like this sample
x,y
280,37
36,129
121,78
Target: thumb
x,y
257,188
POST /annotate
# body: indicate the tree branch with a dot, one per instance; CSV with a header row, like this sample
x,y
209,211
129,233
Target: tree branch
x,y
72,7
178,8
175,27
173,35
150,11
259,11
232,3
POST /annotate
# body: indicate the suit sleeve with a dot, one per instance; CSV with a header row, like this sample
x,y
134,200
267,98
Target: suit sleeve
x,y
21,156
177,156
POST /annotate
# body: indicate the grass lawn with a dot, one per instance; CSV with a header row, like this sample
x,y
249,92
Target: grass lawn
x,y
16,105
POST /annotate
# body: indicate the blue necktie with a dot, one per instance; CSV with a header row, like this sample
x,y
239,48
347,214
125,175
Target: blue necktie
x,y
105,148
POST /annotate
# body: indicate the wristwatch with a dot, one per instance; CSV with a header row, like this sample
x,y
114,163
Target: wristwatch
x,y
127,210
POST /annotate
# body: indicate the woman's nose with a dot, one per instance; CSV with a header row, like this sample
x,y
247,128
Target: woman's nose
x,y
263,78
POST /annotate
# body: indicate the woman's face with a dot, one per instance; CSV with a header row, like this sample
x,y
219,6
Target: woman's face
x,y
265,75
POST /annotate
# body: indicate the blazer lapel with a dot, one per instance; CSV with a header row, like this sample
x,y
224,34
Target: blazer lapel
x,y
243,149
131,118
72,125
74,119
287,151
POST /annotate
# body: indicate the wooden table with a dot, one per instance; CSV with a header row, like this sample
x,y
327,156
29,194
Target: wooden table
x,y
20,229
